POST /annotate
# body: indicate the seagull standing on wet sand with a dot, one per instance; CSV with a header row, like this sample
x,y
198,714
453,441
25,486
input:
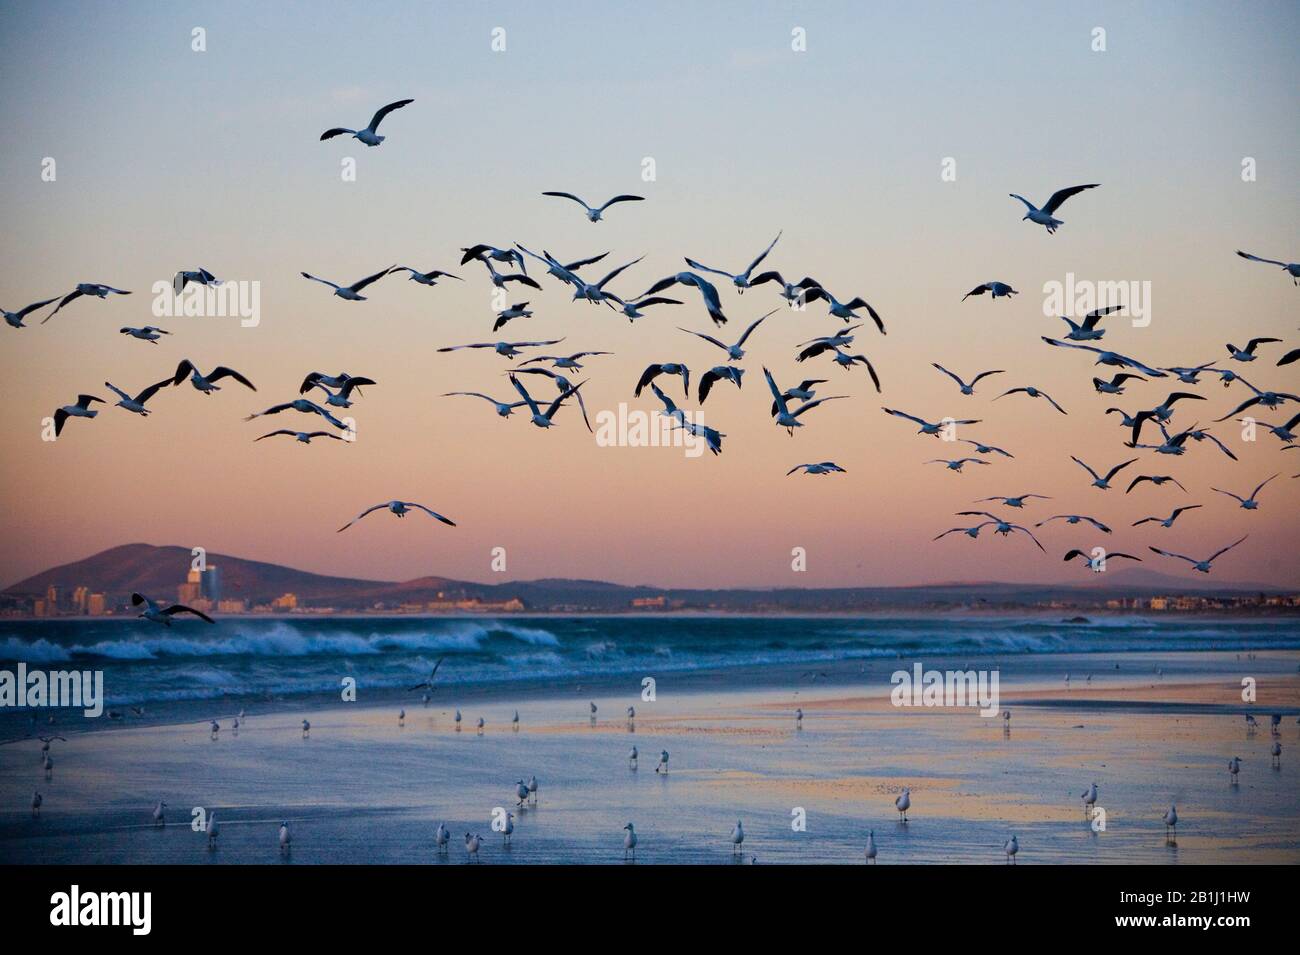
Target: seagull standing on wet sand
x,y
1011,847
903,803
663,763
629,841
631,758
871,847
285,837
441,836
737,837
1171,820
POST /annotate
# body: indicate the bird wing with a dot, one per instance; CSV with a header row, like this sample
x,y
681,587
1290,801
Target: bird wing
x,y
1261,486
1117,468
977,290
808,405
181,608
1256,258
708,338
949,374
984,374
384,111
601,283
1219,553
756,323
567,393
1169,553
761,256
221,371
568,195
358,286
903,414
432,513
75,293
623,198
647,376
1052,402
1094,474
523,393
336,131
307,275
149,392
23,313
272,434
376,507
183,370
1092,318
1061,195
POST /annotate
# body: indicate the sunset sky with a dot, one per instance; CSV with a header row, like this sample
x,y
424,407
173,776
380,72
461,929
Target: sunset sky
x,y
172,159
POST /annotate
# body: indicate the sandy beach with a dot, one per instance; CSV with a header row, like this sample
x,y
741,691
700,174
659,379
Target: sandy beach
x,y
1159,729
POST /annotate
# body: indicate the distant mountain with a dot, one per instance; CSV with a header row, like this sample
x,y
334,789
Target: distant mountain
x,y
158,571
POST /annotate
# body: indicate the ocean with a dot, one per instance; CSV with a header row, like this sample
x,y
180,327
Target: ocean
x,y
281,658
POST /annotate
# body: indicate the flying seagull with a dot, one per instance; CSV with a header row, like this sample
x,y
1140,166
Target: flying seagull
x,y
540,418
400,508
1001,526
15,319
564,385
484,252
1292,268
200,277
1191,376
1097,563
566,361
844,310
1075,519
351,292
956,464
718,373
1033,392
428,684
504,349
593,214
1087,330
303,405
1202,565
1248,353
803,391
981,448
1097,480
664,368
369,136
791,292
1017,501
149,333
967,389
995,290
1249,503
1291,356
824,343
708,292
1044,216
1111,358
159,614
1283,432
207,383
1157,480
342,398
1167,522
1116,384
302,436
633,309
926,426
594,292
737,351
825,467
499,280
712,437
785,418
136,404
85,288
503,408
739,280
1266,399
314,378
81,409
426,278
514,311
